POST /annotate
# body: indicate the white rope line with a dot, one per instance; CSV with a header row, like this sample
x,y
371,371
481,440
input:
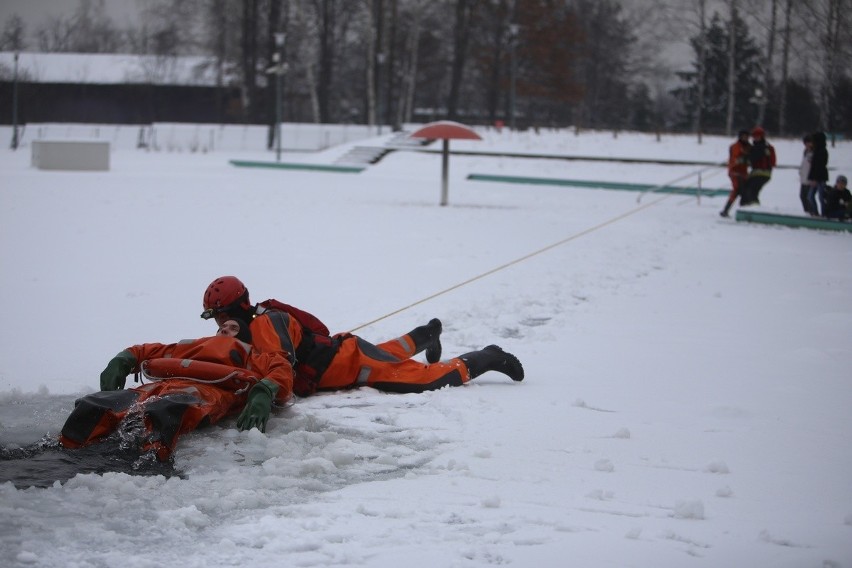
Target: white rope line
x,y
542,250
681,178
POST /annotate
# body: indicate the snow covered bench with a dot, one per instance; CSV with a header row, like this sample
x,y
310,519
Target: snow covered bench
x,y
82,155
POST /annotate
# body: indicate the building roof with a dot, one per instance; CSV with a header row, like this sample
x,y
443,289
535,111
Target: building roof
x,y
101,68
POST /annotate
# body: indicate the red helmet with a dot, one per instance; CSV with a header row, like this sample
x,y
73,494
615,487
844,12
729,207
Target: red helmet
x,y
758,132
223,293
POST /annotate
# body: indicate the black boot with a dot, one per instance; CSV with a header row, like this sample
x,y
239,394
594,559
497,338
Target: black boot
x,y
493,358
428,337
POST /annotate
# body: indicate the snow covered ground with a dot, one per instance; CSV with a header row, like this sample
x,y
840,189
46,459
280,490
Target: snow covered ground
x,y
687,400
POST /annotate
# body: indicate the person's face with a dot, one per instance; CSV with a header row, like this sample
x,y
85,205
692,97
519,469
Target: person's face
x,y
841,184
229,328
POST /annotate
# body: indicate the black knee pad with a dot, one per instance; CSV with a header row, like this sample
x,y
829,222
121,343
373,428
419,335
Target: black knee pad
x,y
91,410
166,414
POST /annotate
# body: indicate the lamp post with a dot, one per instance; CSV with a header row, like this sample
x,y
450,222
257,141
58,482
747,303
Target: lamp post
x,y
513,67
380,58
15,105
279,68
760,100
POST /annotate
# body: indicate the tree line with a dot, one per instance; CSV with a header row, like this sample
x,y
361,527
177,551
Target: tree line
x,y
528,63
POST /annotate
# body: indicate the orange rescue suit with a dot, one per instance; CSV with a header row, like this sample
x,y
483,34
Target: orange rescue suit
x,y
347,361
738,162
168,408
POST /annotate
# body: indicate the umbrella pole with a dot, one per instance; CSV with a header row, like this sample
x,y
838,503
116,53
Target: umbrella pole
x,y
445,166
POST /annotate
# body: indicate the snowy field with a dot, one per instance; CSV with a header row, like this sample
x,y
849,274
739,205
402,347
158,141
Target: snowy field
x,y
687,395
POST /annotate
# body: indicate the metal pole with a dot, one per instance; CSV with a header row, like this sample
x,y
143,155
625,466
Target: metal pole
x,y
698,191
445,167
278,115
280,39
15,106
513,71
381,60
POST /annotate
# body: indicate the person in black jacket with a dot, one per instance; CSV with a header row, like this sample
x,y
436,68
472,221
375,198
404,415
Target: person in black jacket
x,y
838,200
818,176
761,161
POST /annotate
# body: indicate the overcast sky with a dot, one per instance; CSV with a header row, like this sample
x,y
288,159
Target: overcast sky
x,y
37,12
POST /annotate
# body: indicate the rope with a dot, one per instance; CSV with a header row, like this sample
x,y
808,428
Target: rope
x,y
542,250
681,178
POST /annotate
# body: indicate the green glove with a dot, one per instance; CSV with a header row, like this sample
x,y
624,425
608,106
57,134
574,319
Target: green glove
x,y
258,406
115,374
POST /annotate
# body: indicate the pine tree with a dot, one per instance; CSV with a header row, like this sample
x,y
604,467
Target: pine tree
x,y
748,78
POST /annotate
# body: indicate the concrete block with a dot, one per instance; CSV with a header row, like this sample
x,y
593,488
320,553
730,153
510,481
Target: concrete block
x,y
78,155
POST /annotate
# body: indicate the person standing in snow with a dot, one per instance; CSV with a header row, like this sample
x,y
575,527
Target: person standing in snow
x,y
325,362
737,168
818,175
761,160
193,382
804,170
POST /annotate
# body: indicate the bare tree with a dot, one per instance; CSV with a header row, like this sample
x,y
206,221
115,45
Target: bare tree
x,y
249,59
86,30
327,13
306,55
831,50
702,67
373,49
410,57
771,32
785,67
14,34
464,19
390,82
732,65
829,44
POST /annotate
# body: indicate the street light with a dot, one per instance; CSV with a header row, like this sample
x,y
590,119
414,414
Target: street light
x,y
380,58
15,105
278,68
760,100
513,67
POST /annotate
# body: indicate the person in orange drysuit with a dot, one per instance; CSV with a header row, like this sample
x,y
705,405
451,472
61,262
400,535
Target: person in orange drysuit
x,y
737,168
170,407
324,362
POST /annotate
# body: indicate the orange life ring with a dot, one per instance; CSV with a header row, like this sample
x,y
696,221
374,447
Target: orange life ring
x,y
223,376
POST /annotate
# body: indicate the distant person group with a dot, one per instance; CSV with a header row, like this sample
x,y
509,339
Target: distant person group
x,y
750,165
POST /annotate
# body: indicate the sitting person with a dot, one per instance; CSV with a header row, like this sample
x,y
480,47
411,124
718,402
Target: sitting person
x,y
838,200
193,383
341,361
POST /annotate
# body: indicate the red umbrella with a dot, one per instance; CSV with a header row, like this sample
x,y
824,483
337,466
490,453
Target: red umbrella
x,y
446,130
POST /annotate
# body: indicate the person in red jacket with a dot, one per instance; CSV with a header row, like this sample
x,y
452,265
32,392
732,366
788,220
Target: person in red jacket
x,y
737,168
193,382
324,362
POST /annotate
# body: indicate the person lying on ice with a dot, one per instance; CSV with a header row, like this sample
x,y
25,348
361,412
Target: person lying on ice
x,y
324,362
193,383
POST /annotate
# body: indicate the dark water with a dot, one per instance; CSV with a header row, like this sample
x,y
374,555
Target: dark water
x,y
43,463
30,454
